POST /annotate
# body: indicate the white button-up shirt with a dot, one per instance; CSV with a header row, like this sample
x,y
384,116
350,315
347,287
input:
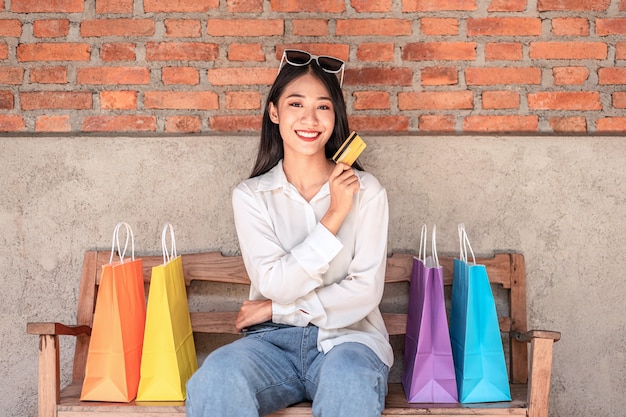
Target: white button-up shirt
x,y
311,275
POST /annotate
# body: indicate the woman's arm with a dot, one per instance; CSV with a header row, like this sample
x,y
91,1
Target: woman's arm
x,y
350,300
279,275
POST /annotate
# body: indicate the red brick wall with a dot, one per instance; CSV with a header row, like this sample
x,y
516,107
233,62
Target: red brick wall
x,y
187,66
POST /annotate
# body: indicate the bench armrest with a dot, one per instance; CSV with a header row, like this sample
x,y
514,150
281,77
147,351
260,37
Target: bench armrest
x,y
48,384
536,334
58,329
541,346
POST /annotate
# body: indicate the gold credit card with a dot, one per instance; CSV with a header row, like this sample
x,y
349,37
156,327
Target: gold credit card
x,y
350,149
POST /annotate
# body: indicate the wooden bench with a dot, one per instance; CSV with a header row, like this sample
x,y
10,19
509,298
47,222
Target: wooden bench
x,y
529,374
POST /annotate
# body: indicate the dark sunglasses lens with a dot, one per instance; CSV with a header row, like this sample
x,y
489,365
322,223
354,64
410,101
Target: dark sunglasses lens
x,y
297,57
330,63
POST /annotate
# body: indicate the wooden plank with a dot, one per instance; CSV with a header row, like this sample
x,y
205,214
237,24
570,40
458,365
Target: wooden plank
x,y
396,323
87,288
396,405
498,269
86,306
213,266
214,322
541,334
224,322
541,368
517,300
49,380
400,265
70,405
56,329
206,266
100,411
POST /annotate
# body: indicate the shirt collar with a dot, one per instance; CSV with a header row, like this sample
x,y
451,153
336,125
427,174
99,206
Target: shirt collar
x,y
275,178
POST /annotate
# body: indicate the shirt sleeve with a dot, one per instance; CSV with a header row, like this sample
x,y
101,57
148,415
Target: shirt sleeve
x,y
278,275
350,300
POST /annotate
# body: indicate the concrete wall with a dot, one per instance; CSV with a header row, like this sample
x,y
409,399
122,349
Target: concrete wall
x,y
558,200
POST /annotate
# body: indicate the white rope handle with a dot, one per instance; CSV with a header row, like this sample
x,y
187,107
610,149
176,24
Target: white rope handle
x,y
434,246
462,254
116,239
423,244
421,255
464,243
168,255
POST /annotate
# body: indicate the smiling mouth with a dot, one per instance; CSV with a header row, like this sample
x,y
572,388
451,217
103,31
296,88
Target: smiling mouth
x,y
307,135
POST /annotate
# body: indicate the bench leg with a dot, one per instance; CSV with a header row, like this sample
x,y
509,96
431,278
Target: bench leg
x,y
49,376
539,379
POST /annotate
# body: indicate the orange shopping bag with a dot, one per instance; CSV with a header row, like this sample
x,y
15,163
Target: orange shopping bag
x,y
114,355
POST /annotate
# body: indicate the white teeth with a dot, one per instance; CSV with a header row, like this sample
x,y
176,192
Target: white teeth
x,y
307,134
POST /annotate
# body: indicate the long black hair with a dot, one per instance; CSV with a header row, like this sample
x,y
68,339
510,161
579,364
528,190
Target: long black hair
x,y
271,144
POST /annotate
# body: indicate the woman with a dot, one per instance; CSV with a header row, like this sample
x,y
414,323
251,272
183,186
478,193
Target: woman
x,y
313,238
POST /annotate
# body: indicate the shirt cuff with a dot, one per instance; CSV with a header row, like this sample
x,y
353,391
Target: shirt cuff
x,y
289,314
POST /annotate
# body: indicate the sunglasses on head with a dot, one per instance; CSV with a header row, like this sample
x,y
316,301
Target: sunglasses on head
x,y
299,58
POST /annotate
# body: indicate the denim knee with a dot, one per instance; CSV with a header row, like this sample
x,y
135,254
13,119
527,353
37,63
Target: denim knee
x,y
252,376
219,385
352,381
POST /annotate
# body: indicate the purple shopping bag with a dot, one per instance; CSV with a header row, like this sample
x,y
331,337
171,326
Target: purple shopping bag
x,y
429,375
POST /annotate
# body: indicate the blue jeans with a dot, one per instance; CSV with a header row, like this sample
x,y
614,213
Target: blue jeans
x,y
275,366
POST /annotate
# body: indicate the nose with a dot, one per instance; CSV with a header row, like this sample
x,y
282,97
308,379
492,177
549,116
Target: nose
x,y
309,116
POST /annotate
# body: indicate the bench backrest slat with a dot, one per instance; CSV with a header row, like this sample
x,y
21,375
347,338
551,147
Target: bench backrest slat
x,y
214,267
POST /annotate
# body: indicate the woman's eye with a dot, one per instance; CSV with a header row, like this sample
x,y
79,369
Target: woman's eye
x,y
295,104
324,107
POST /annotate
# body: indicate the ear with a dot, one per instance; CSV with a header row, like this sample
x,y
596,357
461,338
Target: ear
x,y
273,112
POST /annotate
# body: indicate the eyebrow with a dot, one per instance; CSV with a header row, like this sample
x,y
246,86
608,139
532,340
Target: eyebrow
x,y
297,95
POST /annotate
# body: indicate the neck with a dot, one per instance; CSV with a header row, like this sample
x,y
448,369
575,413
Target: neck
x,y
308,175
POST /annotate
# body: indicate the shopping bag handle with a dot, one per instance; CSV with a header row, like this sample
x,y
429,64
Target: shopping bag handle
x,y
171,254
434,246
421,255
423,242
464,244
116,239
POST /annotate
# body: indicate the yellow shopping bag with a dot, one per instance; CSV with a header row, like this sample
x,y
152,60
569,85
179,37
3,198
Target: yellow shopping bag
x,y
169,353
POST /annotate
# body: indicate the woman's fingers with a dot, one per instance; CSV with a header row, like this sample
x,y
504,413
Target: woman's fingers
x,y
343,175
253,312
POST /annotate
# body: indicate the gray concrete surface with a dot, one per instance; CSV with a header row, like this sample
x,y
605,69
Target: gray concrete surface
x,y
558,200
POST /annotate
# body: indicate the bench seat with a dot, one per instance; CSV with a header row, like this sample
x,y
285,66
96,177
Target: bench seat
x,y
396,405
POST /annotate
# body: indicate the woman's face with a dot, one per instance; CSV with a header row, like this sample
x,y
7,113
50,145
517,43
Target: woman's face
x,y
305,116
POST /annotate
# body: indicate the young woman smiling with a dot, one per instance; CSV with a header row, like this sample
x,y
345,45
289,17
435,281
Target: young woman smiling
x,y
313,236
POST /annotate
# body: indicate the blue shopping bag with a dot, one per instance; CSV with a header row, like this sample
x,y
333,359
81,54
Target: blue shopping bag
x,y
479,362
